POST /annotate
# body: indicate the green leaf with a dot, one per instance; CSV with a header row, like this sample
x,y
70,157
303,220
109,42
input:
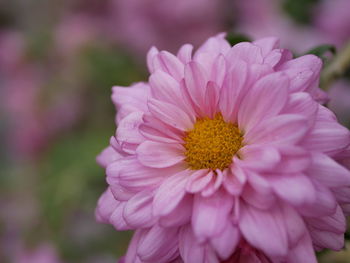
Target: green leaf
x,y
324,52
234,38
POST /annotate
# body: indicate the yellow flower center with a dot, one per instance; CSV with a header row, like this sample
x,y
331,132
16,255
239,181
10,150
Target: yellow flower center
x,y
212,143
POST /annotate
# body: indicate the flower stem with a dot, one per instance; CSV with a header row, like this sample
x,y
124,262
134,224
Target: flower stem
x,y
336,68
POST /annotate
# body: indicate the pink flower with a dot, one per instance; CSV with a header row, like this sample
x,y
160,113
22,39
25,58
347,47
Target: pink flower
x,y
339,100
333,20
43,254
225,147
259,18
140,24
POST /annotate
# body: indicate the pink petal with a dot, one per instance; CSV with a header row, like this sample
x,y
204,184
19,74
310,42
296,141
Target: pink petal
x,y
159,155
328,137
231,91
158,135
258,199
294,159
302,252
196,81
130,99
278,130
247,52
128,131
198,180
132,175
326,203
164,87
185,53
170,64
259,158
158,245
267,44
302,64
264,230
328,172
107,156
131,254
159,131
170,193
138,210
117,219
218,71
232,184
150,56
211,99
180,216
326,239
294,224
335,223
266,99
295,189
302,103
190,249
226,243
217,44
105,206
170,114
210,214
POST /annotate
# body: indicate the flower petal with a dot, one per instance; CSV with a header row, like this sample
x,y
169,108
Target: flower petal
x,y
266,99
138,210
170,114
170,193
295,189
328,172
158,245
210,214
190,249
264,230
170,64
278,130
185,53
226,243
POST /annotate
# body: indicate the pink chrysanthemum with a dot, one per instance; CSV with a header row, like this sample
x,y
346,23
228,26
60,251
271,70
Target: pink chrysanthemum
x,y
227,155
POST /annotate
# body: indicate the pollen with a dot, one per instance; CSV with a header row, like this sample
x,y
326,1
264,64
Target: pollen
x,y
212,143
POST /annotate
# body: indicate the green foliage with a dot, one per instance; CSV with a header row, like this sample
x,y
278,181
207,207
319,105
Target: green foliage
x,y
323,51
300,10
234,38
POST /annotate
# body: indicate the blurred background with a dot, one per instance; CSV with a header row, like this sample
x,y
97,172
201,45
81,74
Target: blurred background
x,y
58,62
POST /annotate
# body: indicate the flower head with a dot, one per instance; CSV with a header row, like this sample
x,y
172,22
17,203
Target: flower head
x,y
224,150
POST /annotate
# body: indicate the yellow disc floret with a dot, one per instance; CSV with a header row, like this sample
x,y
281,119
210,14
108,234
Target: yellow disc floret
x,y
212,143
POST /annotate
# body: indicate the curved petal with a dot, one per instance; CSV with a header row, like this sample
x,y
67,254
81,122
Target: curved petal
x,y
278,130
265,99
159,155
209,214
170,114
138,210
158,245
264,229
295,189
328,172
130,99
170,193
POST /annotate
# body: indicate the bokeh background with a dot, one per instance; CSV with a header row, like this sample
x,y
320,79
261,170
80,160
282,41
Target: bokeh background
x,y
58,62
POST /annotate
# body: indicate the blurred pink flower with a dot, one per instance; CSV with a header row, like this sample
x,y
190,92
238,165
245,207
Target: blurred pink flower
x,y
259,18
76,31
165,23
224,146
45,253
333,21
30,125
340,100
